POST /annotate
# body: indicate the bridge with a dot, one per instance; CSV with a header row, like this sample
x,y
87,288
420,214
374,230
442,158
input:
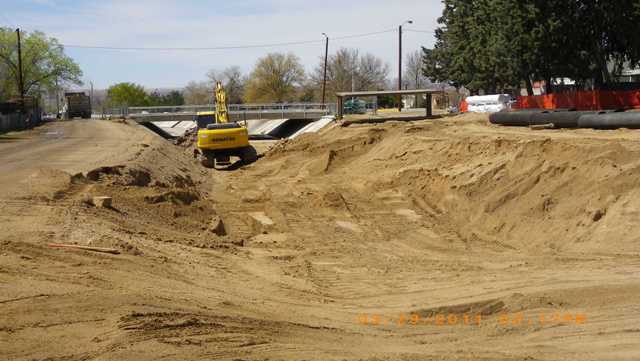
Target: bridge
x,y
237,112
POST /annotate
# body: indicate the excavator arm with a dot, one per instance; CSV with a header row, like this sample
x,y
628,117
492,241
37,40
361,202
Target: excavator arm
x,y
222,110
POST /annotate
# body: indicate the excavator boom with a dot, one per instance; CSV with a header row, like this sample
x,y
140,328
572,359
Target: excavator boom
x,y
222,109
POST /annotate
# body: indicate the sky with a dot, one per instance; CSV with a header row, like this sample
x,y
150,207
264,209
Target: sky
x,y
213,23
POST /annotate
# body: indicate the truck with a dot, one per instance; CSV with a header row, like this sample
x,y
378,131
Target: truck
x,y
77,105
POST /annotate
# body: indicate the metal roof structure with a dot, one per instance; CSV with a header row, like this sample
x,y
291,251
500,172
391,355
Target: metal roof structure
x,y
429,93
387,92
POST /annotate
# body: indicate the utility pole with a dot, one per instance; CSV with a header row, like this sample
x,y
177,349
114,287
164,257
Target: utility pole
x,y
400,62
57,98
326,58
20,77
91,94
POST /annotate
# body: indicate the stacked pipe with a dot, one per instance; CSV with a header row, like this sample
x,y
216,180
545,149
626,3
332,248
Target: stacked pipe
x,y
569,118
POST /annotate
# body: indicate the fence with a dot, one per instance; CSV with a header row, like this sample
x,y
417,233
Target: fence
x,y
583,100
17,120
235,108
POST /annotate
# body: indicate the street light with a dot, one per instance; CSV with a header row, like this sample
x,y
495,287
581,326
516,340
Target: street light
x,y
400,62
326,57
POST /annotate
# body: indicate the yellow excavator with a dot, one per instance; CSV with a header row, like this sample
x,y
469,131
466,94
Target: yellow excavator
x,y
220,139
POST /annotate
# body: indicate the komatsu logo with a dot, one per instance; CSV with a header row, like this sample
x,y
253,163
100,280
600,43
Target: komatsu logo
x,y
224,139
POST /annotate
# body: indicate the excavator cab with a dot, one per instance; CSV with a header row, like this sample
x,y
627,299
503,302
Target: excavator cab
x,y
219,139
205,118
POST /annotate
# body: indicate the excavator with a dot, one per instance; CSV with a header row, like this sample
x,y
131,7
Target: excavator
x,y
219,139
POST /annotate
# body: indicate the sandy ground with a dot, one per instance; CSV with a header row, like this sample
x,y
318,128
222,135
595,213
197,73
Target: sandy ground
x,y
470,231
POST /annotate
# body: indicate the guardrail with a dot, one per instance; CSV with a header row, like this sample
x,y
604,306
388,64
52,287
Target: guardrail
x,y
237,112
235,108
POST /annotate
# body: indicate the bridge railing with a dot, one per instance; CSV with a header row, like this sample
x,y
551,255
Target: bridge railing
x,y
237,108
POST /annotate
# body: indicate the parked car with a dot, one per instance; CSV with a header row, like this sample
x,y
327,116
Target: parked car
x,y
355,106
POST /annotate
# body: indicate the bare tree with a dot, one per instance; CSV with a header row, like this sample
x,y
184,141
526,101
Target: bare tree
x,y
372,73
233,82
348,70
275,78
413,75
198,93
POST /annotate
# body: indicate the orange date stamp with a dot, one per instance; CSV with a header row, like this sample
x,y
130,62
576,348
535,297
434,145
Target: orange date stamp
x,y
504,319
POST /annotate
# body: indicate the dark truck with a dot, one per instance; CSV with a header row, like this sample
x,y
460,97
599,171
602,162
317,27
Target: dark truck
x,y
78,105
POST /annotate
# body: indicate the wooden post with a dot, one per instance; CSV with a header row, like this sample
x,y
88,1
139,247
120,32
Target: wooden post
x,y
429,105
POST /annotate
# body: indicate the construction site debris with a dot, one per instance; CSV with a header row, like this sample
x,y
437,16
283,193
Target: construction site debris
x,y
84,248
217,226
102,202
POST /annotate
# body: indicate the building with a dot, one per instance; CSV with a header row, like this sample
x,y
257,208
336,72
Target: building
x,y
630,75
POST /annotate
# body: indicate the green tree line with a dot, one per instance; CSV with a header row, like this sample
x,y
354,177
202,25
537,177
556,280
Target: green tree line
x,y
134,95
496,45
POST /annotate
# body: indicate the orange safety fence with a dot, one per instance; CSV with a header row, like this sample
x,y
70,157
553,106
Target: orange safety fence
x,y
582,100
464,106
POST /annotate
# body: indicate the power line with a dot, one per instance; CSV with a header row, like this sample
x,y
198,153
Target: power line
x,y
421,31
189,49
364,35
74,46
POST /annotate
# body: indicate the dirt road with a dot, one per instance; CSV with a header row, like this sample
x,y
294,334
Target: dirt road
x,y
453,240
67,146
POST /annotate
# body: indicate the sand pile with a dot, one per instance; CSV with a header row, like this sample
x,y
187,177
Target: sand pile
x,y
282,259
536,191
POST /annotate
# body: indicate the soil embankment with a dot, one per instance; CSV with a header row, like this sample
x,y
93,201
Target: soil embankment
x,y
282,259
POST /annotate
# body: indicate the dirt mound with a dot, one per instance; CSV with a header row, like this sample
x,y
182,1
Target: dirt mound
x,y
492,189
188,139
46,184
285,258
175,197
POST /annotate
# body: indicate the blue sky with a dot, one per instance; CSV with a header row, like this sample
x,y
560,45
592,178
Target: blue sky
x,y
200,23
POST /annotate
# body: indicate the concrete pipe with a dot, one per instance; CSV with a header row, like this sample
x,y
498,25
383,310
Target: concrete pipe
x,y
526,117
520,118
610,120
559,118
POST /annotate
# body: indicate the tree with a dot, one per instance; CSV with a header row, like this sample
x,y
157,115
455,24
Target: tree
x,y
499,44
274,79
371,73
607,37
348,70
308,92
449,60
154,99
232,80
553,49
44,63
172,98
127,95
413,76
478,45
341,72
4,78
198,93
